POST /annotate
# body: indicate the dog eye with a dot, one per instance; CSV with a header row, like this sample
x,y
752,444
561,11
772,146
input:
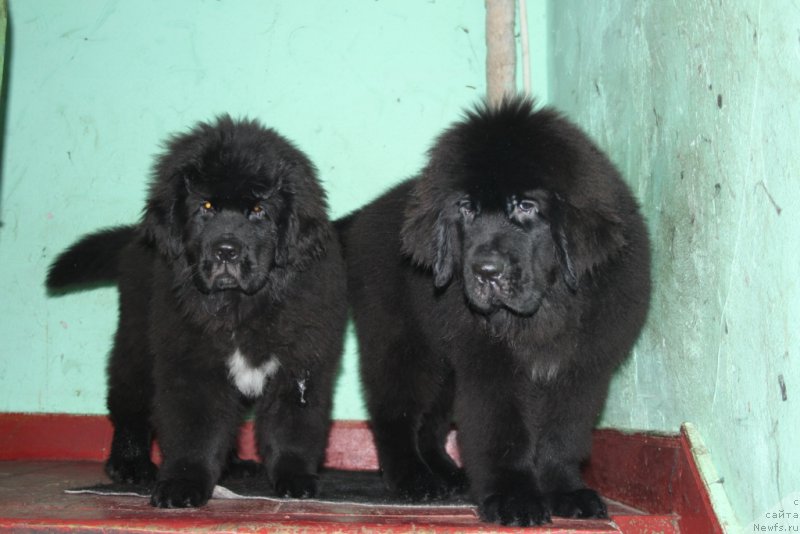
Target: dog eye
x,y
528,207
207,206
467,207
258,212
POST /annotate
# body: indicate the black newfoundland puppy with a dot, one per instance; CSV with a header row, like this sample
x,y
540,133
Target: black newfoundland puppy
x,y
508,280
232,293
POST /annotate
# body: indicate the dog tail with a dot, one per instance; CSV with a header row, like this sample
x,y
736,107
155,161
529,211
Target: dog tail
x,y
90,261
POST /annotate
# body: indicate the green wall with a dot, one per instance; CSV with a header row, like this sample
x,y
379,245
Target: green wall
x,y
697,102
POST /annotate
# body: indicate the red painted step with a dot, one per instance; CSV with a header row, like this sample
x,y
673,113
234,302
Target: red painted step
x,y
651,482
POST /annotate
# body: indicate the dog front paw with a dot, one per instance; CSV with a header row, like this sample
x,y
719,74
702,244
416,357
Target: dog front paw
x,y
180,493
515,509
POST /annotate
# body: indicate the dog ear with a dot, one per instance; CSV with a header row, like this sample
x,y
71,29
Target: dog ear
x,y
170,185
304,226
428,237
585,238
444,263
159,218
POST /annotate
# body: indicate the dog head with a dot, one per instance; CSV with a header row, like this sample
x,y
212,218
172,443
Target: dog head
x,y
513,201
231,203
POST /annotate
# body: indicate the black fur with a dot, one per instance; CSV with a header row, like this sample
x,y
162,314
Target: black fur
x,y
234,255
90,261
507,281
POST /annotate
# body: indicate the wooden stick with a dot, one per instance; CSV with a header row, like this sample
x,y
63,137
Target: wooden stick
x,y
500,50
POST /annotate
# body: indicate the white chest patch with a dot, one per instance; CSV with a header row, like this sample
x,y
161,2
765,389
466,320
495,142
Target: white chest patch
x,y
248,379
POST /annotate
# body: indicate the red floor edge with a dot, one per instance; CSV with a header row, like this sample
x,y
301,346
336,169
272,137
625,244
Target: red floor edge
x,y
651,483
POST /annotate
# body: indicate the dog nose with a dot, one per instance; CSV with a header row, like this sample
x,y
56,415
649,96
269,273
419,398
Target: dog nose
x,y
227,251
488,269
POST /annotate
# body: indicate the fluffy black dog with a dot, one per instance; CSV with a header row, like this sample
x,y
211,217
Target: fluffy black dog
x,y
232,292
508,280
